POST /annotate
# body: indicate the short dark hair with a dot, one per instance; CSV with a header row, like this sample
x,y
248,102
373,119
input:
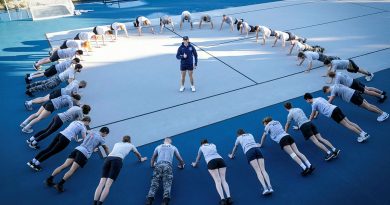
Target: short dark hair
x,y
204,18
327,62
325,88
204,141
86,109
104,130
240,131
267,119
301,55
288,105
80,52
126,139
83,83
76,96
78,66
307,96
332,74
77,60
86,119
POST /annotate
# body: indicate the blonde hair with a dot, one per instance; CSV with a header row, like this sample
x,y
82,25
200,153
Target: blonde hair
x,y
87,45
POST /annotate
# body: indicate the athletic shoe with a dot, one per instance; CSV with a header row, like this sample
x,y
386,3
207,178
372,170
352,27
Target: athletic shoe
x,y
381,100
363,137
329,156
27,130
35,66
34,146
28,81
149,201
22,125
193,88
370,77
49,182
28,141
336,153
33,166
29,93
222,202
270,190
28,106
304,40
229,201
311,169
305,172
181,88
265,192
383,117
59,187
165,201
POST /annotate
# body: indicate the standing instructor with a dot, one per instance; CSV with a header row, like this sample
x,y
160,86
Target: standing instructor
x,y
185,54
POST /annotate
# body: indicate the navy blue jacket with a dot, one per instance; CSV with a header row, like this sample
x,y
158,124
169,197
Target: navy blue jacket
x,y
189,51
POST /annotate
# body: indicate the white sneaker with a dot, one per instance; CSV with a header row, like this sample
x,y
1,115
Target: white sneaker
x,y
27,130
369,78
22,125
265,192
382,117
363,137
193,88
270,190
181,88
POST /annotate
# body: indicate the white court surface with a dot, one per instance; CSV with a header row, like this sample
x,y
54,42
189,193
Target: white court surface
x,y
133,83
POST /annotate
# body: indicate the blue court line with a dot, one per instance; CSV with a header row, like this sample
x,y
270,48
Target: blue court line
x,y
222,93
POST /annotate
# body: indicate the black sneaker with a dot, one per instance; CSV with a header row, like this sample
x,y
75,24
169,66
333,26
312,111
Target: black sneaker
x,y
222,202
34,146
305,172
149,201
311,169
28,86
28,81
34,167
49,182
29,93
59,187
35,66
304,40
165,201
329,156
229,201
383,92
336,153
381,100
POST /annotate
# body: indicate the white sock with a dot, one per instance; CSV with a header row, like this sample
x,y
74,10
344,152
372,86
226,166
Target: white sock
x,y
32,138
34,142
30,78
328,152
363,133
307,163
382,96
334,149
34,160
303,166
29,102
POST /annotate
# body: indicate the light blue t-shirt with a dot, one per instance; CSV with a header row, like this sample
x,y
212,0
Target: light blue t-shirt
x,y
165,153
91,141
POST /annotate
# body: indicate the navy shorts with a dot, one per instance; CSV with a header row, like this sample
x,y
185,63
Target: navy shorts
x,y
55,94
78,157
337,115
112,167
253,153
50,71
184,68
286,140
357,85
352,68
357,99
48,106
54,57
63,46
308,129
216,164
77,37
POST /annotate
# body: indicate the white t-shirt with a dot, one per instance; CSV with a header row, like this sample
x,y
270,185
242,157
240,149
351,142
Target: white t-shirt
x,y
343,91
245,26
122,149
101,30
247,142
66,53
300,46
62,66
86,36
74,128
209,152
322,106
67,74
186,14
266,31
310,55
298,116
73,87
74,43
62,101
117,26
344,79
275,130
282,35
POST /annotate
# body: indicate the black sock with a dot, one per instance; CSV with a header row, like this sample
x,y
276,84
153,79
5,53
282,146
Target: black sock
x,y
99,203
61,182
95,202
50,178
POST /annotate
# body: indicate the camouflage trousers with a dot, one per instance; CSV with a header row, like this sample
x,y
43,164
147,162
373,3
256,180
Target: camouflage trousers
x,y
45,84
162,171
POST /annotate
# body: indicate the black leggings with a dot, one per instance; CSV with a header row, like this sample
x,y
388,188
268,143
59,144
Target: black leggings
x,y
59,143
54,125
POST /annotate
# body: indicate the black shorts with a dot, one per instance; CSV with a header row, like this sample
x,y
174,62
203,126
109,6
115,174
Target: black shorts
x,y
357,85
253,28
272,33
54,57
112,167
184,68
337,115
286,140
253,153
357,99
78,157
63,46
291,36
55,94
50,71
94,30
136,23
352,67
77,37
216,164
308,129
48,106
